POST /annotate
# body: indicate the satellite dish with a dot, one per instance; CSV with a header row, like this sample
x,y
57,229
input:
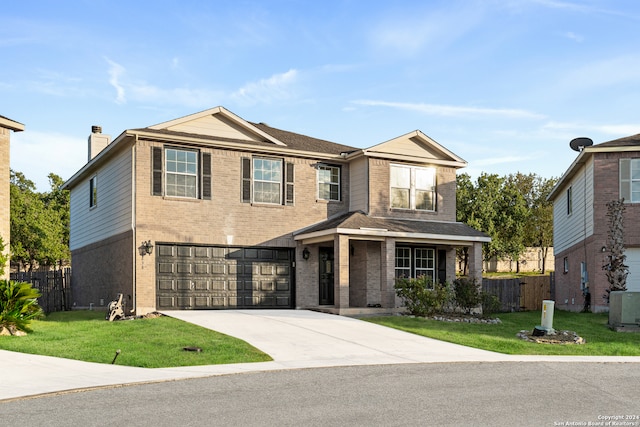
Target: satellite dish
x,y
578,144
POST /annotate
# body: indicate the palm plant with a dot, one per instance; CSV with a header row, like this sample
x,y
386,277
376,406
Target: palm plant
x,y
18,305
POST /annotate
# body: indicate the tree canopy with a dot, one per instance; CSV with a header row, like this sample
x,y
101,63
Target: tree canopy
x,y
39,223
513,210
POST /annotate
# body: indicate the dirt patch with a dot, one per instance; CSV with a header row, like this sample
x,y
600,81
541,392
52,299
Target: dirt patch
x,y
556,337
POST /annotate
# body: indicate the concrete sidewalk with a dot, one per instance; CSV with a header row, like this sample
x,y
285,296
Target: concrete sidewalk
x,y
293,338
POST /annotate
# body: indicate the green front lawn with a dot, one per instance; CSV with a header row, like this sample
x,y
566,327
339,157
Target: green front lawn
x,y
600,340
149,343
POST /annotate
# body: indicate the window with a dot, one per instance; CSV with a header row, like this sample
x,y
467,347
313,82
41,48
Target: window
x,y
566,264
329,182
181,173
181,176
93,191
266,180
413,188
425,262
403,262
569,201
630,180
415,262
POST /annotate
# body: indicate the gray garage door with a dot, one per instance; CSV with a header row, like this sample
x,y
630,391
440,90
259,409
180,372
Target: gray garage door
x,y
207,277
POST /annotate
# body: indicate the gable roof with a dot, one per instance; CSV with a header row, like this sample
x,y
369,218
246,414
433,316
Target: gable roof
x,y
624,144
416,146
358,223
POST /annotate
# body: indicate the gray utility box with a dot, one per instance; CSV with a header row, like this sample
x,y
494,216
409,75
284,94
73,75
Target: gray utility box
x,y
624,308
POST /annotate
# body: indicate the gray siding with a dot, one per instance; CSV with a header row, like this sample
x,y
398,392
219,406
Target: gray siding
x,y
570,229
113,212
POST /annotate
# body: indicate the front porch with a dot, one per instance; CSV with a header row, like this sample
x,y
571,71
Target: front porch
x,y
351,271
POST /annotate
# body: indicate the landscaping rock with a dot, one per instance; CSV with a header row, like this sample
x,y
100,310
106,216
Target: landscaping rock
x,y
555,337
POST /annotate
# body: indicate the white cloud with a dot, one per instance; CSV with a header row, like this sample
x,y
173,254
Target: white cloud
x,y
573,36
115,72
452,110
37,154
266,91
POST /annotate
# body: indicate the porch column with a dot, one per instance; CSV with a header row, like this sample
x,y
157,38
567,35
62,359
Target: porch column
x,y
341,275
475,262
388,273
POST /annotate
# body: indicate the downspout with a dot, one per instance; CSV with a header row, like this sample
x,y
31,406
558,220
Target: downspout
x,y
133,217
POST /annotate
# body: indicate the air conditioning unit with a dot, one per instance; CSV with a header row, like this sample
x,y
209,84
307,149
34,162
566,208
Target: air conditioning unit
x,y
624,308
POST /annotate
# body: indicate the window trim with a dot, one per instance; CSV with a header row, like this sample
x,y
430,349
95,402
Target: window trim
x,y
247,181
168,173
413,189
159,172
413,262
93,191
278,182
338,184
626,181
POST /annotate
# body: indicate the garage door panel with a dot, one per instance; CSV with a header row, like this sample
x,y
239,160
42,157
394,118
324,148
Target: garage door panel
x,y
201,277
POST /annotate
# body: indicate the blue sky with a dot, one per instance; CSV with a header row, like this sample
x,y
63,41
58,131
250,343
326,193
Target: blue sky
x,y
504,84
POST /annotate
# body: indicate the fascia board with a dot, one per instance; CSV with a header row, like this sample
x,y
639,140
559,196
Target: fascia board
x,y
417,237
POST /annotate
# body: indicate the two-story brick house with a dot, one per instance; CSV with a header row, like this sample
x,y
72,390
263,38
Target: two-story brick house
x,y
6,126
600,174
239,214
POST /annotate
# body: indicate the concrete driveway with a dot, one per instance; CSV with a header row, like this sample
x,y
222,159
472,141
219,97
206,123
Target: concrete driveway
x,y
303,338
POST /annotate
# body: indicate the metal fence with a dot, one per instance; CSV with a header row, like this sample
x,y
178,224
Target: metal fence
x,y
54,286
520,294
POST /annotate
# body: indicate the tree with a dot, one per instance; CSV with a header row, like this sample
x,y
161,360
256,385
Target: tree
x,y
615,268
39,222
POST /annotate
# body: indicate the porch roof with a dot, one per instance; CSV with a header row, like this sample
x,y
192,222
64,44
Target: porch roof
x,y
361,226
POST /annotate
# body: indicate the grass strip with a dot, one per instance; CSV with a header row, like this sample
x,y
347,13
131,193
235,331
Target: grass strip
x,y
148,343
501,338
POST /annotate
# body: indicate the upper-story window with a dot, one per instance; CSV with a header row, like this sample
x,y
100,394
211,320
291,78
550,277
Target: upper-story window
x,y
329,182
630,180
413,187
267,181
179,172
569,201
181,176
93,191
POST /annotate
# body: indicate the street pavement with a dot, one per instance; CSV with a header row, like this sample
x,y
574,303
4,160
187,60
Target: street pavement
x,y
293,338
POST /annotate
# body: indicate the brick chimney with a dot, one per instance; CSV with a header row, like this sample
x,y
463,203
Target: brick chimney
x,y
97,141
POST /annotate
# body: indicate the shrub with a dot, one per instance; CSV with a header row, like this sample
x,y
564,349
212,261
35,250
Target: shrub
x,y
467,294
421,296
490,304
18,305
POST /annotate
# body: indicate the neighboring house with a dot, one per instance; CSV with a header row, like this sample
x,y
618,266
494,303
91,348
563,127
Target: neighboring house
x,y
243,215
601,173
6,126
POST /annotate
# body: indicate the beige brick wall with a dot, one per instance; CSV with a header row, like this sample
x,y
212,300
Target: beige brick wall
x,y
380,204
5,194
225,220
102,270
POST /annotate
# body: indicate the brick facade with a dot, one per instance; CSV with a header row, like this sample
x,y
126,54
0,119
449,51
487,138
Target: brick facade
x,y
364,265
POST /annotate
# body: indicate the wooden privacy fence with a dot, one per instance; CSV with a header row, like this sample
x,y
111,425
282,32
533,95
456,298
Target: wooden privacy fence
x,y
521,294
54,285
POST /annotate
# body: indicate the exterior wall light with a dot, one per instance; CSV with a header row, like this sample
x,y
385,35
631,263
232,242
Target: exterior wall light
x,y
146,248
306,254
